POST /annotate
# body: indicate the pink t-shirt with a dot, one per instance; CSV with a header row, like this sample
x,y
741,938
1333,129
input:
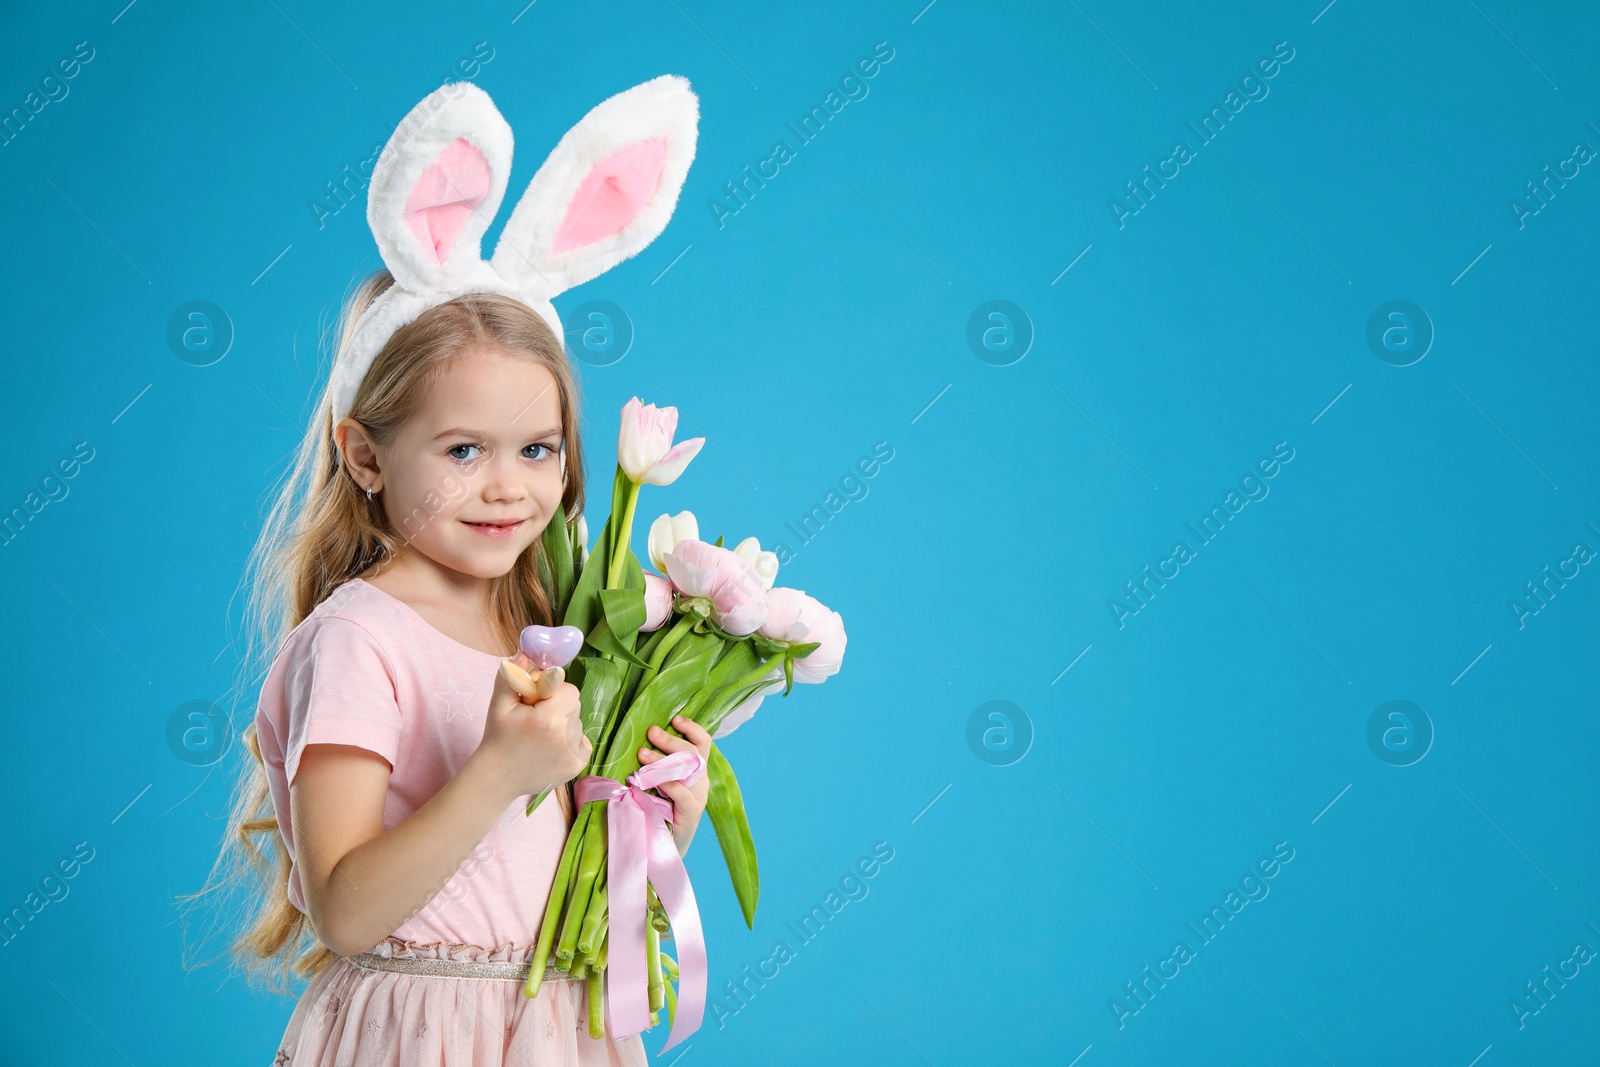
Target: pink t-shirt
x,y
365,669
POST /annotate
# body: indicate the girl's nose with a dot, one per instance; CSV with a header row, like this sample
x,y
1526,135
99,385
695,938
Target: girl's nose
x,y
503,479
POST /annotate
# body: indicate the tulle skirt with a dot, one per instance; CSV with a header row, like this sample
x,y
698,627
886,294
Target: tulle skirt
x,y
355,1016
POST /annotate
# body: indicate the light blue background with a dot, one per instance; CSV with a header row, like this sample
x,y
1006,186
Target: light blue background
x,y
830,314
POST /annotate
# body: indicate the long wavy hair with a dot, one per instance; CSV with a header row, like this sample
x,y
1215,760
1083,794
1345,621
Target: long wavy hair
x,y
322,530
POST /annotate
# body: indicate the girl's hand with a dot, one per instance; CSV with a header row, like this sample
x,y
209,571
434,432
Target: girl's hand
x,y
527,748
688,801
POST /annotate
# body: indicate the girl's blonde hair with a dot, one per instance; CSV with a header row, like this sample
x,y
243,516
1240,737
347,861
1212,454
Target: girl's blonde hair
x,y
323,530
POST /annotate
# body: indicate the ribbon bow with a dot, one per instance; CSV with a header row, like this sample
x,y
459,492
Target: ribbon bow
x,y
640,844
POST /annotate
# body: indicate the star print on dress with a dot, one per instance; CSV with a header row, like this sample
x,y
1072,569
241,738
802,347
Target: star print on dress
x,y
455,702
281,1059
422,1028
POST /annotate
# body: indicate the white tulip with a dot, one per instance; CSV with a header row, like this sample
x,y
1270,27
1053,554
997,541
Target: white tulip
x,y
765,563
583,537
666,532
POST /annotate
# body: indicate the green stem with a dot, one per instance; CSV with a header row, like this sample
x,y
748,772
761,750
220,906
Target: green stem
x,y
593,856
714,696
684,624
711,719
620,538
595,987
757,674
552,911
652,954
672,1000
594,919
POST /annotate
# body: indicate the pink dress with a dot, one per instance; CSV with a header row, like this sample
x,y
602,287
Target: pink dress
x,y
365,669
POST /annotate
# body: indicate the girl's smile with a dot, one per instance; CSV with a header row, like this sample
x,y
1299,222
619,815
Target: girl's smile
x,y
496,529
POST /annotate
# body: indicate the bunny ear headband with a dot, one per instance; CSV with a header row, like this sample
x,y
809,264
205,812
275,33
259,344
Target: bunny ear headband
x,y
606,192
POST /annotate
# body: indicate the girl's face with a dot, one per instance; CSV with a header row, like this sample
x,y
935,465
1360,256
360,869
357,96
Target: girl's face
x,y
475,477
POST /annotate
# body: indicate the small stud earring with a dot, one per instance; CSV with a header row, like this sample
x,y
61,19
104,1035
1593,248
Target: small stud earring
x,y
369,492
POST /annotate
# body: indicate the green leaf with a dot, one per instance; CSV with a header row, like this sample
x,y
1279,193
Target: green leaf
x,y
624,607
583,608
796,652
536,801
620,487
601,688
711,717
680,678
624,610
603,640
719,541
555,559
725,807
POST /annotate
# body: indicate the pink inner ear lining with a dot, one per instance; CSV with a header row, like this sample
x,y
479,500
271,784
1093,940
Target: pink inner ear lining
x,y
614,193
445,196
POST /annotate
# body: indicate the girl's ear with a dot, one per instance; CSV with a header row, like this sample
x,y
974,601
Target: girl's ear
x,y
606,192
355,451
437,185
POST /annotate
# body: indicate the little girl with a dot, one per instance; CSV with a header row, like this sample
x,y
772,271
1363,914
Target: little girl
x,y
399,764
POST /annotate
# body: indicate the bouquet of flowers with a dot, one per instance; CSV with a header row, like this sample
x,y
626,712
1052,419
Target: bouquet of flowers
x,y
708,638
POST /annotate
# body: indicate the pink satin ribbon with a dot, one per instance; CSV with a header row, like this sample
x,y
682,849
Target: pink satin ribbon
x,y
640,845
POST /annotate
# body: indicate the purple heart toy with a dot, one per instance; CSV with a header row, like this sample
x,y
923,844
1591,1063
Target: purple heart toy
x,y
551,646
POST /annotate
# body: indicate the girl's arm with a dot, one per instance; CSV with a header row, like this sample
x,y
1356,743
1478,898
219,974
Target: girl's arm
x,y
360,882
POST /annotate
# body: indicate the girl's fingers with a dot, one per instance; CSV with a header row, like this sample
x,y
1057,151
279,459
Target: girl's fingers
x,y
694,737
681,796
661,739
694,732
518,679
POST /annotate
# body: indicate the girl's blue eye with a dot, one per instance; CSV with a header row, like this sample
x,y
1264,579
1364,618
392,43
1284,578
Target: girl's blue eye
x,y
456,451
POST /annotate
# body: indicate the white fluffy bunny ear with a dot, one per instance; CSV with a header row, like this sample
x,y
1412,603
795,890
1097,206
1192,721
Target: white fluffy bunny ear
x,y
437,185
606,192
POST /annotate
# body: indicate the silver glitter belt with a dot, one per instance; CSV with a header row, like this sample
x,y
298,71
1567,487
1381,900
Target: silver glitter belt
x,y
503,970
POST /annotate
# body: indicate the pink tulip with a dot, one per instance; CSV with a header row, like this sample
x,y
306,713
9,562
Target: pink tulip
x,y
731,585
645,451
783,615
657,601
797,618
